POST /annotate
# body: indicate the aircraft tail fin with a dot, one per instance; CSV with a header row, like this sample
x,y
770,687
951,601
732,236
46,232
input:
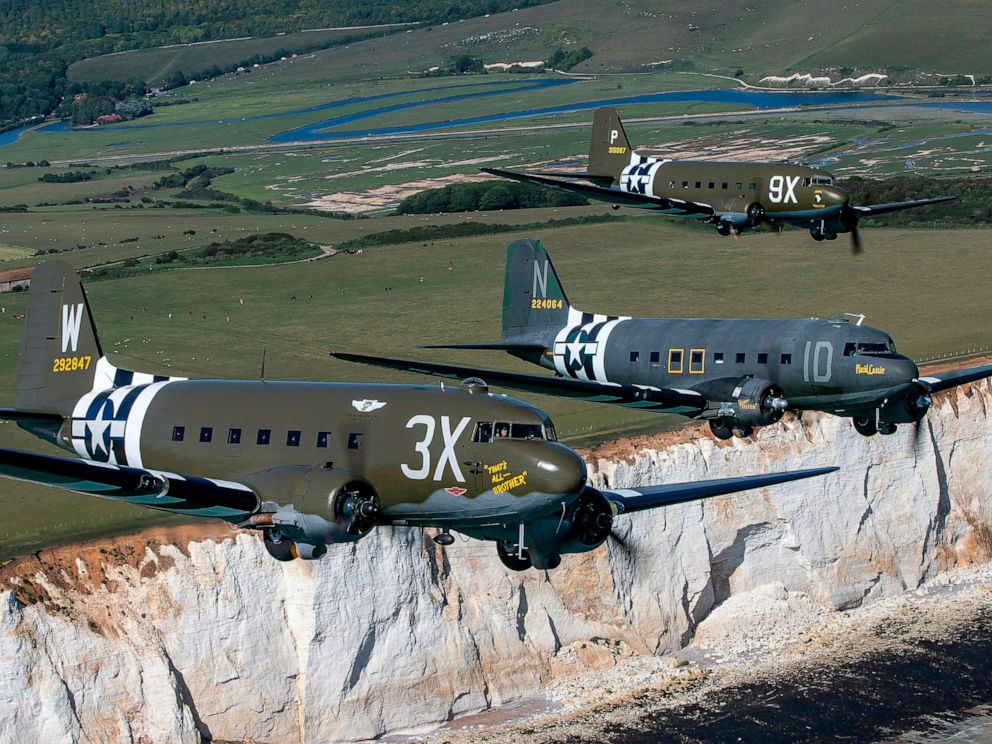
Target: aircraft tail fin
x,y
609,149
61,357
60,350
534,303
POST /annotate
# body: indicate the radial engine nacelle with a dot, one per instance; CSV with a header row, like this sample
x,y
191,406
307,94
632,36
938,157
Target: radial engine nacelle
x,y
324,506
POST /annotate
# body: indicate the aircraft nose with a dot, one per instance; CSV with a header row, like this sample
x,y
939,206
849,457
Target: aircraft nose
x,y
906,369
561,469
834,196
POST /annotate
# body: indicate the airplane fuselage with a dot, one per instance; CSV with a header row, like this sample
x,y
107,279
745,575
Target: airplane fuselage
x,y
433,453
740,193
830,365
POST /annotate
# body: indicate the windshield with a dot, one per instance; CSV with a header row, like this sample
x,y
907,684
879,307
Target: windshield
x,y
487,431
869,348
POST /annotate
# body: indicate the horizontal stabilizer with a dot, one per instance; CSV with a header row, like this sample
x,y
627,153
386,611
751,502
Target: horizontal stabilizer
x,y
632,396
201,497
598,180
492,346
955,377
638,499
873,209
41,417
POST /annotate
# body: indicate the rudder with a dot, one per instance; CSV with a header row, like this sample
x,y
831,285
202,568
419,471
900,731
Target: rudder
x,y
534,303
609,149
60,351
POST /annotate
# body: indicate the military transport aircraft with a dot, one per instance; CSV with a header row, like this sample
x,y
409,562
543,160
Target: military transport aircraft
x,y
734,373
310,464
734,196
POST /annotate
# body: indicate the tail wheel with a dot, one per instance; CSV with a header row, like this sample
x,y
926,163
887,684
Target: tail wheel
x,y
509,557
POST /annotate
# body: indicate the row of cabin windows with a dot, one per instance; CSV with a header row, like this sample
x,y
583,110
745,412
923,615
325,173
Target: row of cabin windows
x,y
485,431
725,185
697,359
712,184
263,437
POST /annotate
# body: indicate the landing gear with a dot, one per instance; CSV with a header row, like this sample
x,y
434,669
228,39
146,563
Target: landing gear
x,y
755,214
886,427
444,539
281,550
866,426
744,431
723,229
720,429
509,557
818,234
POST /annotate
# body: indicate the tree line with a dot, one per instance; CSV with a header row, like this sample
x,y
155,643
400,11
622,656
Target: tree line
x,y
39,39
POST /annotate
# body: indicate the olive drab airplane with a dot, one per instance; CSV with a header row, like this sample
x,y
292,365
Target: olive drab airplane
x,y
734,373
733,196
310,464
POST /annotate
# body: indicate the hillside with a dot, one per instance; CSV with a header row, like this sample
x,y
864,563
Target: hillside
x,y
41,39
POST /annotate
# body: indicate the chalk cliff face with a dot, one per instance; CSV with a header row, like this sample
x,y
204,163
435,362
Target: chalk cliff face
x,y
140,639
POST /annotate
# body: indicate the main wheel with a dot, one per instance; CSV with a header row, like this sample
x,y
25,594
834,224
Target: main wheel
x,y
281,550
886,427
720,429
865,426
508,557
816,234
745,431
723,229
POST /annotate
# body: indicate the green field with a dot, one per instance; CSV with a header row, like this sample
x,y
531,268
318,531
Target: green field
x,y
153,65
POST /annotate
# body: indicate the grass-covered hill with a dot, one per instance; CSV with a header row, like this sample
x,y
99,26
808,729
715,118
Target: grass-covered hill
x,y
40,39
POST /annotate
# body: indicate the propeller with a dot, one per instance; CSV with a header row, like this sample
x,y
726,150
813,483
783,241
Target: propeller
x,y
623,546
856,248
849,218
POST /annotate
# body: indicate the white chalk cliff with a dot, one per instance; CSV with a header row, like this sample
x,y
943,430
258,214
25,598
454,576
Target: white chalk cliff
x,y
136,639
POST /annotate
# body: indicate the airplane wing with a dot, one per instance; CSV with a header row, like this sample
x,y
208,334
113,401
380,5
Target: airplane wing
x,y
955,377
670,400
200,497
638,499
602,193
873,209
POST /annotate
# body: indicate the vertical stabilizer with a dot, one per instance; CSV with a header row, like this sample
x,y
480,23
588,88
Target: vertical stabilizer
x,y
609,149
534,303
60,351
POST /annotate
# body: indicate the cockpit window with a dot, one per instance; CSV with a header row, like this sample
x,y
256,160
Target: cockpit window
x,y
850,349
821,181
527,431
549,432
501,430
483,432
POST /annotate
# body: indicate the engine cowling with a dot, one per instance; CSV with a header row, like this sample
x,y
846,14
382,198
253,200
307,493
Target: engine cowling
x,y
911,408
320,506
754,402
584,526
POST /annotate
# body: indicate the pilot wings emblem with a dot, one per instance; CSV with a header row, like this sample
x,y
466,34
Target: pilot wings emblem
x,y
368,405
